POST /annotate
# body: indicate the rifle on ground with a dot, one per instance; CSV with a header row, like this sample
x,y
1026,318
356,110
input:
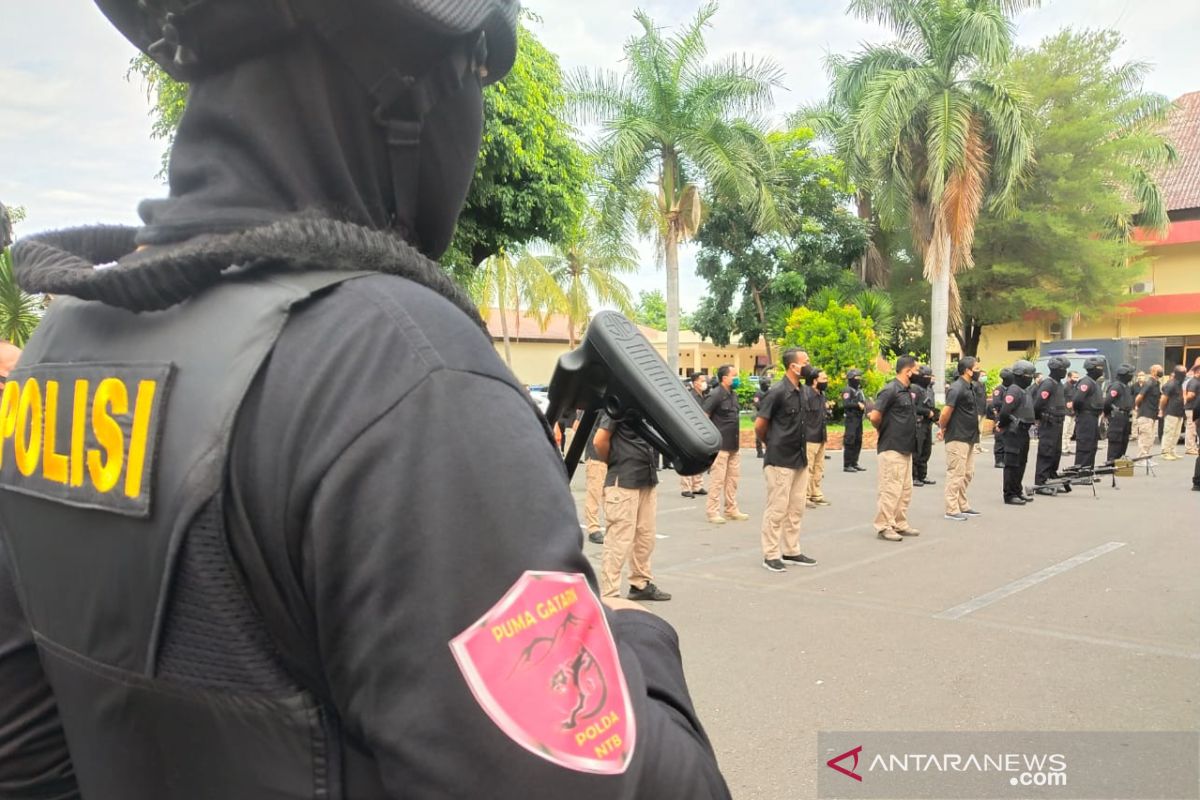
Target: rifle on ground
x,y
1086,476
617,371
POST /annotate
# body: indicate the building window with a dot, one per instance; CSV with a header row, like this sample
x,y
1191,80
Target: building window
x,y
1021,345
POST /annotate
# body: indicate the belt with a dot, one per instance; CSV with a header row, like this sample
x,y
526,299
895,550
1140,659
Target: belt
x,y
1025,424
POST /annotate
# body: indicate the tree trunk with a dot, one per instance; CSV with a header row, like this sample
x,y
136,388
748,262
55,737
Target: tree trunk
x,y
672,261
504,333
570,332
1068,326
939,308
762,323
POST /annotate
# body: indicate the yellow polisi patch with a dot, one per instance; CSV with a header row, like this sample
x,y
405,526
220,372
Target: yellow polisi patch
x,y
83,434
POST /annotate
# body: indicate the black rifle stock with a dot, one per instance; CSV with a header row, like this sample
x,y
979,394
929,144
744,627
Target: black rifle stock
x,y
617,371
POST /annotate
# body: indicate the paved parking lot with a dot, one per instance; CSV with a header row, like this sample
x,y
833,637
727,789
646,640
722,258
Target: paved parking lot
x,y
1072,613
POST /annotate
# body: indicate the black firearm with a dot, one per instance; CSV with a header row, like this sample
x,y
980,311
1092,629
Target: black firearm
x,y
616,370
1122,467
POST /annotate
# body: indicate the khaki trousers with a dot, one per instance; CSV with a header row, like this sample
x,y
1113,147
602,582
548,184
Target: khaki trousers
x,y
568,437
960,469
816,470
725,473
630,538
1172,426
1068,432
597,471
786,491
1146,430
1190,440
895,490
691,483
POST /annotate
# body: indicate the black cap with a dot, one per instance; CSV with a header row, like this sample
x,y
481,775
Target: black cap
x,y
925,369
1093,363
854,373
1059,362
1023,369
1125,373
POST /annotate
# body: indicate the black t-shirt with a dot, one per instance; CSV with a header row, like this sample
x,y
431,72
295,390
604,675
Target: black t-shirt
x,y
355,515
981,397
1173,391
964,421
783,408
898,428
1193,386
721,406
815,429
632,461
1149,394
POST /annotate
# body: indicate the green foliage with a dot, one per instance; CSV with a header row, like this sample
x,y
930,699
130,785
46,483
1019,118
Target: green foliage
x,y
756,277
745,391
836,339
1066,247
20,313
531,173
651,310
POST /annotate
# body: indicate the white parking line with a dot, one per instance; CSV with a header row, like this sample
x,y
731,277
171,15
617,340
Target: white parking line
x,y
1021,584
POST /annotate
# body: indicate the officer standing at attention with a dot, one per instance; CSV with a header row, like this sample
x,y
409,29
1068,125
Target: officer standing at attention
x,y
721,406
854,405
780,424
265,570
927,415
1191,407
958,425
993,411
1014,421
595,472
1118,405
1049,409
895,417
1146,402
1069,422
764,386
981,400
1089,405
816,433
692,485
631,508
1172,406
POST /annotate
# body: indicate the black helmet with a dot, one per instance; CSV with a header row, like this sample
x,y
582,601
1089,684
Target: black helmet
x,y
1093,364
1125,373
193,38
854,373
925,370
1059,362
1023,369
1006,376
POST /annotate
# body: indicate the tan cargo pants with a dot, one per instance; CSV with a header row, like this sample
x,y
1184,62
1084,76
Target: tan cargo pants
x,y
1190,440
725,473
1146,430
786,493
816,470
960,469
1172,427
596,472
895,491
630,538
691,483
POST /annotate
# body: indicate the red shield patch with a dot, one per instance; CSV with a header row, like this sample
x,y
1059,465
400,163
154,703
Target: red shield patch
x,y
1083,387
1008,398
543,665
1045,395
1113,392
845,395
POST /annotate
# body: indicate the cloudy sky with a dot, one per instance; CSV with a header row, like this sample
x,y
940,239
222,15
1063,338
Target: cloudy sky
x,y
74,133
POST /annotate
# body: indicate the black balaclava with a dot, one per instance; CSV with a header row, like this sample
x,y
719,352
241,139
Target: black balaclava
x,y
1096,373
1024,381
293,131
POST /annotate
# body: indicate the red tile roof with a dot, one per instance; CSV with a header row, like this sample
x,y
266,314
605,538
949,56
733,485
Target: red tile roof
x,y
1180,182
1167,304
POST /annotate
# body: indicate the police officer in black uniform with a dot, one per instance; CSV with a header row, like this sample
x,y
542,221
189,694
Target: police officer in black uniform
x,y
926,408
1049,409
1089,405
993,413
854,405
764,386
1118,407
255,559
1014,420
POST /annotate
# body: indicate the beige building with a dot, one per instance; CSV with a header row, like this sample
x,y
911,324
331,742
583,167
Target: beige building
x,y
535,349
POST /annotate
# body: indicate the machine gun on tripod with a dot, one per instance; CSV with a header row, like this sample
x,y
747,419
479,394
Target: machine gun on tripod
x,y
1089,476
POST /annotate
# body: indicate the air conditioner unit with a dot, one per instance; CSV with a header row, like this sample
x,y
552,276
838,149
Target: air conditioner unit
x,y
1145,287
1056,329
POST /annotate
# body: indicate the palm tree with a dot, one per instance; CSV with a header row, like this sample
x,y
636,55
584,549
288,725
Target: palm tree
x,y
507,281
586,266
940,125
20,313
672,120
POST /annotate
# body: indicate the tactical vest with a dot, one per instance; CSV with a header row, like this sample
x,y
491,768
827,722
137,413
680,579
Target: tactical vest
x,y
115,434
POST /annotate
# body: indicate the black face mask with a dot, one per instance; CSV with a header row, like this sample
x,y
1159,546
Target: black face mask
x,y
1095,374
1024,381
1058,374
855,383
822,386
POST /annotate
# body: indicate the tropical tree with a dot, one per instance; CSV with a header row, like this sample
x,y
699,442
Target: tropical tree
x,y
20,312
510,281
586,265
675,120
941,125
